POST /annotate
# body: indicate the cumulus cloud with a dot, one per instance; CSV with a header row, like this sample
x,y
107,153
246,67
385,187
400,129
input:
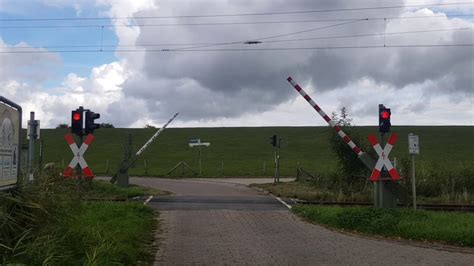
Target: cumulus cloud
x,y
216,85
222,88
35,67
52,106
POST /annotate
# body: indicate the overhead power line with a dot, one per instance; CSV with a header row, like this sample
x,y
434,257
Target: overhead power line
x,y
228,23
468,45
248,42
256,40
368,35
244,14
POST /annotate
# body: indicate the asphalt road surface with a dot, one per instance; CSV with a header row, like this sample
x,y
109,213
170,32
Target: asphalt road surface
x,y
209,222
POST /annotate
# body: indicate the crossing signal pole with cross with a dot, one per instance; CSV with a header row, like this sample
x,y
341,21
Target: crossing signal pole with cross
x,y
385,188
81,125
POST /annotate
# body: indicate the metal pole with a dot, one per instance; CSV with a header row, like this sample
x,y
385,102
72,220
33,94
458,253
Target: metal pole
x,y
222,167
413,183
40,161
276,168
31,146
264,168
380,184
200,162
277,165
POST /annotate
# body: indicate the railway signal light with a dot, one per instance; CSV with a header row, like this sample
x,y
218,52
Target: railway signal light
x,y
76,121
90,124
273,140
384,119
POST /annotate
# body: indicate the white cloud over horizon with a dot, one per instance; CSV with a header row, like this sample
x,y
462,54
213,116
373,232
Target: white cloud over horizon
x,y
422,86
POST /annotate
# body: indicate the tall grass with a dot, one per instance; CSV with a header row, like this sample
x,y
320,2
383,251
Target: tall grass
x,y
436,182
47,223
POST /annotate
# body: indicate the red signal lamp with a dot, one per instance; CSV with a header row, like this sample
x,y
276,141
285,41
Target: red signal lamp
x,y
385,115
76,116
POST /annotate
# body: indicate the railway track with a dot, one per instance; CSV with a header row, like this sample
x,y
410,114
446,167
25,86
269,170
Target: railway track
x,y
421,206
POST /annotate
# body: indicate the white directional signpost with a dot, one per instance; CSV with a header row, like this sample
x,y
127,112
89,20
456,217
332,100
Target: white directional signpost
x,y
414,149
199,144
78,156
10,129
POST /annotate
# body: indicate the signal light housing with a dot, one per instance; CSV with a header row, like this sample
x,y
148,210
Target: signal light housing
x,y
273,140
76,121
384,119
90,124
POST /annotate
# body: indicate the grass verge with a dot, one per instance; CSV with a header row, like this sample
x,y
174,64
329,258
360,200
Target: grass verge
x,y
448,228
306,191
48,223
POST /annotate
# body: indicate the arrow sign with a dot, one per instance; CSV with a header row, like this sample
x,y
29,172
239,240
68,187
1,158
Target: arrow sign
x,y
78,156
383,157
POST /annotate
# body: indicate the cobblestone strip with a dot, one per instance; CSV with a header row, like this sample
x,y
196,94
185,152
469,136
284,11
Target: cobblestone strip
x,y
229,237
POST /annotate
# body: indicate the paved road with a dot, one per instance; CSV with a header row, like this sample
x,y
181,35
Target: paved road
x,y
215,223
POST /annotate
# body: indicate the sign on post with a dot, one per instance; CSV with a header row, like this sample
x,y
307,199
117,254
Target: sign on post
x,y
413,144
197,142
36,130
414,149
10,127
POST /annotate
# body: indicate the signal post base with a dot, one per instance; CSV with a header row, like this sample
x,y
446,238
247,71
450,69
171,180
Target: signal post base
x,y
385,194
122,179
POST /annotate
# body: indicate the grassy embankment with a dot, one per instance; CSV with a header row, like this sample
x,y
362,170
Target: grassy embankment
x,y
245,150
449,228
444,172
50,223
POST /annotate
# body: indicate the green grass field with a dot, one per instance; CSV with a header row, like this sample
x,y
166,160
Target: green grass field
x,y
449,228
244,151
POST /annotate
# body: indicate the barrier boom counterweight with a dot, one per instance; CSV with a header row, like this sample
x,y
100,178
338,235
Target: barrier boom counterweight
x,y
122,174
364,157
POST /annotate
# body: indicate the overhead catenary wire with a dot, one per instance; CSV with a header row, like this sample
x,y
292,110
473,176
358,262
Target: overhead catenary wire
x,y
244,14
259,40
466,45
217,43
228,23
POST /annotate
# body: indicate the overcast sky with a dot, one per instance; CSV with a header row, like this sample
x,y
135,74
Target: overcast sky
x,y
208,74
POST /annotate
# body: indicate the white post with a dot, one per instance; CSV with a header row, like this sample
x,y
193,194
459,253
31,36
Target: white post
x,y
413,183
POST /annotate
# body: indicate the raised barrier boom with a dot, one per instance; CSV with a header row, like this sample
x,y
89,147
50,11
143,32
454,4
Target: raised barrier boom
x,y
365,158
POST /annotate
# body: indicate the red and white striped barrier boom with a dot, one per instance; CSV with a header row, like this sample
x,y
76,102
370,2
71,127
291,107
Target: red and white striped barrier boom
x,y
366,159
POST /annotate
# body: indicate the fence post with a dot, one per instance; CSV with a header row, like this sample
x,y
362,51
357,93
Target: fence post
x,y
146,166
222,168
264,168
107,167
